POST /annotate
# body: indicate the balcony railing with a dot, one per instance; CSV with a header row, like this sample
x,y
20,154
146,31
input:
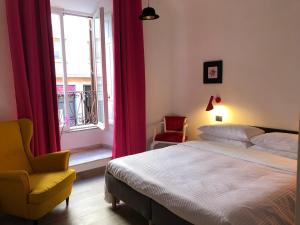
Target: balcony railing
x,y
82,107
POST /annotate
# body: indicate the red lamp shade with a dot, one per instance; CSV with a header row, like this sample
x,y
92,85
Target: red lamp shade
x,y
210,105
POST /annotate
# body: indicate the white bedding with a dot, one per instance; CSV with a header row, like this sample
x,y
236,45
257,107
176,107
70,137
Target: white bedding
x,y
209,183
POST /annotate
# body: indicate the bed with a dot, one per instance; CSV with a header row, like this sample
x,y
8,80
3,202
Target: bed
x,y
205,183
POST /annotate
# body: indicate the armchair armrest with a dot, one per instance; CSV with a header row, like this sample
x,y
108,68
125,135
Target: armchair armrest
x,y
184,132
14,178
155,128
57,161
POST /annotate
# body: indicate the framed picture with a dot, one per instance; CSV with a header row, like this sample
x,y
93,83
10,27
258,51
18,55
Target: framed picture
x,y
212,72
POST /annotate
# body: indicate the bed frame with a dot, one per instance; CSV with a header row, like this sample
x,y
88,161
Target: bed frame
x,y
147,207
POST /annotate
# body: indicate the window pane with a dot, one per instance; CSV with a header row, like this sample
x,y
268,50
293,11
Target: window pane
x,y
109,64
81,97
58,59
56,29
98,70
77,42
80,101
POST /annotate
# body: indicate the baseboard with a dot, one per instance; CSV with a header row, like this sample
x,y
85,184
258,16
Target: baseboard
x,y
86,148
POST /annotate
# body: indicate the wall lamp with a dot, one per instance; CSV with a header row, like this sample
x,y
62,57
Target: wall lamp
x,y
148,13
210,105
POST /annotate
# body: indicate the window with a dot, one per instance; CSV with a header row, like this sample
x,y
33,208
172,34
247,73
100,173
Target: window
x,y
83,69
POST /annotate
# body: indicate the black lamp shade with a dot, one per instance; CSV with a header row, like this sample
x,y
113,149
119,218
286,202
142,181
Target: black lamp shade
x,y
148,13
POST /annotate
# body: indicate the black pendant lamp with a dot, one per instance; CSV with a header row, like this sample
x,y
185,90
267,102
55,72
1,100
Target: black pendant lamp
x,y
148,13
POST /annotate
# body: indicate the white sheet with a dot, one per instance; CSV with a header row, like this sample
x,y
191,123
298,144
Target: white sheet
x,y
291,155
207,183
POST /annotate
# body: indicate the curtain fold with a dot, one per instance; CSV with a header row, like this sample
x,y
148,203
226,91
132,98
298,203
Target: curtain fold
x,y
129,79
32,54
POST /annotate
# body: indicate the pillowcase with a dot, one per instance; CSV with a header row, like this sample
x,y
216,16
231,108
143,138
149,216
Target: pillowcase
x,y
277,141
233,132
290,155
229,142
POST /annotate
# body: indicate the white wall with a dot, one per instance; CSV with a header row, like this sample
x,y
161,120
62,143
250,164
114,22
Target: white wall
x,y
84,6
8,110
298,183
158,62
258,42
86,138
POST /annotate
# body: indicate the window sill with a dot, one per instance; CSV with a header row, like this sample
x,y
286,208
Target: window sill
x,y
81,128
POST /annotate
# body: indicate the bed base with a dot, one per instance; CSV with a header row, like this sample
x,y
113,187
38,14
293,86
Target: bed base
x,y
155,213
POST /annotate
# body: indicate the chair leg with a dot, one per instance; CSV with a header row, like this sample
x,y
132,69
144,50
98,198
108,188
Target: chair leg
x,y
35,222
67,201
152,145
114,203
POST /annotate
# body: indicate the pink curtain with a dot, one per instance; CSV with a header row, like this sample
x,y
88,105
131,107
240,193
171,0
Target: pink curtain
x,y
129,67
30,36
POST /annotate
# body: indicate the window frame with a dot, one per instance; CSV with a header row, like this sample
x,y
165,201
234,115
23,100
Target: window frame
x,y
61,13
106,96
100,11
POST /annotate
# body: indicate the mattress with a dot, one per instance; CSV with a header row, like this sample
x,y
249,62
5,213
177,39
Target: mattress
x,y
210,183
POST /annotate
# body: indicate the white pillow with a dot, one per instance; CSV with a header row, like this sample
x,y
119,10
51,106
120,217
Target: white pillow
x,y
290,155
233,132
229,142
277,141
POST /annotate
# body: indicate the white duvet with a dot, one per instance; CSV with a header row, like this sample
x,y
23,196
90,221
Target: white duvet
x,y
208,183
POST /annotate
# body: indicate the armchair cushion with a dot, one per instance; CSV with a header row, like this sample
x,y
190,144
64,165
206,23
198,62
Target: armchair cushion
x,y
45,186
170,137
57,161
174,123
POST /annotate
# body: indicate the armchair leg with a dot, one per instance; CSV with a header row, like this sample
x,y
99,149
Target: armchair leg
x,y
114,203
67,201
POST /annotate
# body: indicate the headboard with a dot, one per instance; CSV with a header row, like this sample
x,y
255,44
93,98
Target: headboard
x,y
268,130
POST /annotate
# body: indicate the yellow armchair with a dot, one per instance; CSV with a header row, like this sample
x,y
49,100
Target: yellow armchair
x,y
30,186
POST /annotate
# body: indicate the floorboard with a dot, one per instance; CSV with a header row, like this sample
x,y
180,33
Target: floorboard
x,y
87,207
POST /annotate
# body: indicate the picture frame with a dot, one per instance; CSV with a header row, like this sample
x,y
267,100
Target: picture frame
x,y
213,72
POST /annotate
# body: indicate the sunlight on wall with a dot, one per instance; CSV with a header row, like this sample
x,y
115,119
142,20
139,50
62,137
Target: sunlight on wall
x,y
220,110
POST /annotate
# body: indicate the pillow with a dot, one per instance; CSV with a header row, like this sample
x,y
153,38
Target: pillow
x,y
233,132
229,142
277,141
290,155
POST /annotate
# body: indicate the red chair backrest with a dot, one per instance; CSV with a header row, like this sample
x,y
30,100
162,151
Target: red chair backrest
x,y
174,123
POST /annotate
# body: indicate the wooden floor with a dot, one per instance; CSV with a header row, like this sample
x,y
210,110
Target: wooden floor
x,y
87,207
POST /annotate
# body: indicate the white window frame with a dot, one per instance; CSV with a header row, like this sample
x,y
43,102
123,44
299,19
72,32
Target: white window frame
x,y
61,13
105,125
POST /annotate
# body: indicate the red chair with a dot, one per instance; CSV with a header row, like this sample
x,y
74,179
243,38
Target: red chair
x,y
173,132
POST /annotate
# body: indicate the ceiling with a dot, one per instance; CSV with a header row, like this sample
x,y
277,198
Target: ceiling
x,y
85,6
